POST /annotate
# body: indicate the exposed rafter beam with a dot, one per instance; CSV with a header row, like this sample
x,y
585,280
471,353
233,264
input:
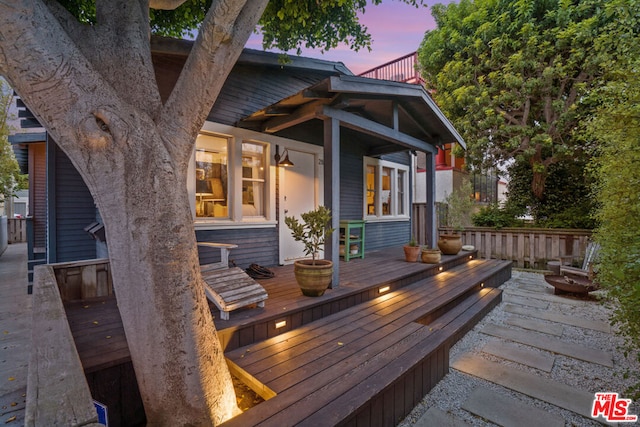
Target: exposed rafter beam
x,y
435,138
306,112
378,130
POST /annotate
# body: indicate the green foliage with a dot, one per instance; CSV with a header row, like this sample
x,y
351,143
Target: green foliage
x,y
460,206
567,202
10,177
495,216
312,231
413,242
513,75
288,25
616,128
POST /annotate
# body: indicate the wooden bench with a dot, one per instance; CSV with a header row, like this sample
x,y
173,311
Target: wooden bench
x,y
229,288
374,361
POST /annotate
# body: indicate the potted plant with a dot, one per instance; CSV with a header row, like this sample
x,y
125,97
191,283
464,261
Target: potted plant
x,y
411,250
459,209
430,255
313,275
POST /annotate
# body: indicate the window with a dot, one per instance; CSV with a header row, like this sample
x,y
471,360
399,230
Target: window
x,y
231,181
386,190
253,179
211,177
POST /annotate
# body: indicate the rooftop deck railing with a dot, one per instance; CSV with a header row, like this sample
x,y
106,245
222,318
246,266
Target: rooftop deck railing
x,y
402,69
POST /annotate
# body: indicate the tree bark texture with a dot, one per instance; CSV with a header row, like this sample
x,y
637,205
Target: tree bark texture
x,y
94,90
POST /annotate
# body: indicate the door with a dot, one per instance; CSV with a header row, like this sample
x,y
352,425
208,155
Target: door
x,y
298,194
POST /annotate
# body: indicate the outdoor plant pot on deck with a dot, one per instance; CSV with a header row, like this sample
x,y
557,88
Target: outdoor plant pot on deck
x,y
313,279
313,275
450,244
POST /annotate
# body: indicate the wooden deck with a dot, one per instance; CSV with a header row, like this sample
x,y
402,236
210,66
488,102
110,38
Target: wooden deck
x,y
371,363
362,354
360,280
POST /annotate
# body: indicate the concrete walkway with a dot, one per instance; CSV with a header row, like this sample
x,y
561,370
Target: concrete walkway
x,y
536,360
15,334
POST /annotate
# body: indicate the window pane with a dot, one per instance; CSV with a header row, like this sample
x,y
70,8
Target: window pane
x,y
253,179
211,177
371,190
385,195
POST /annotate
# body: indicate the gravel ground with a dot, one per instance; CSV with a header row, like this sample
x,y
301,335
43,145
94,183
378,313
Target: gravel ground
x,y
450,393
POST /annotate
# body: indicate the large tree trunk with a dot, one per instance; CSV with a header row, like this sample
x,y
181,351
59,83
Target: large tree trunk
x,y
178,360
93,88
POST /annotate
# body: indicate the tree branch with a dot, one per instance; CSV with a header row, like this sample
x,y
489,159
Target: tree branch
x,y
165,4
224,32
43,64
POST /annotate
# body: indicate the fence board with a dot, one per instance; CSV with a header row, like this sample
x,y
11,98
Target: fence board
x,y
17,229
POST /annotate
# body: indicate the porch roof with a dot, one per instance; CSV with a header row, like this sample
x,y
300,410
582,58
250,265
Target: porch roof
x,y
395,116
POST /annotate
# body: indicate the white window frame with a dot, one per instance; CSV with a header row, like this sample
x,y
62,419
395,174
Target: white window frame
x,y
395,167
235,217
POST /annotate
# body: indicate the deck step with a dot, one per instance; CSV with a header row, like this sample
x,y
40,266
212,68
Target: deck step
x,y
372,361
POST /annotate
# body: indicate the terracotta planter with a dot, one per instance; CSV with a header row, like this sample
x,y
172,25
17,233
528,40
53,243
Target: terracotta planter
x,y
411,253
431,256
313,279
450,244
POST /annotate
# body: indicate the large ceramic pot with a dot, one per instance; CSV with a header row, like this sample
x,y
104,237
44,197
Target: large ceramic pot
x,y
431,256
313,279
411,253
450,244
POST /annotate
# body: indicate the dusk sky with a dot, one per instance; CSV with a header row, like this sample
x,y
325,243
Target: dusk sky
x,y
396,29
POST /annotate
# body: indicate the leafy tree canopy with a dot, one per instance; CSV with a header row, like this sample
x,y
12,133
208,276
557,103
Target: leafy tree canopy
x,y
10,177
513,75
285,25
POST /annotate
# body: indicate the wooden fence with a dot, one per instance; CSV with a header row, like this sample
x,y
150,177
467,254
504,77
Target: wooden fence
x,y
526,247
17,230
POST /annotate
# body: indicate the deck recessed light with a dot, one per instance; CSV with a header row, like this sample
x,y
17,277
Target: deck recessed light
x,y
383,289
281,324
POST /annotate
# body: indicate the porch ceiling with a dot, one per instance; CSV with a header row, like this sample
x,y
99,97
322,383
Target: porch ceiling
x,y
394,116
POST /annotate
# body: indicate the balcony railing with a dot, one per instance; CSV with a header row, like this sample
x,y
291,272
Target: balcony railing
x,y
399,70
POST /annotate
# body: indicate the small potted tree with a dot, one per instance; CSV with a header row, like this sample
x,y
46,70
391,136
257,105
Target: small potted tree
x,y
411,250
313,275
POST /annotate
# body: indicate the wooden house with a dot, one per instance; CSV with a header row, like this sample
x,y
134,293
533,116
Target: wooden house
x,y
350,143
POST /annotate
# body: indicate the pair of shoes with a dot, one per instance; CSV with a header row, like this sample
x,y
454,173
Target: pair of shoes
x,y
258,272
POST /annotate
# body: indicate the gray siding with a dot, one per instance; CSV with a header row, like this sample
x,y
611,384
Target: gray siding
x,y
380,235
75,210
255,245
377,235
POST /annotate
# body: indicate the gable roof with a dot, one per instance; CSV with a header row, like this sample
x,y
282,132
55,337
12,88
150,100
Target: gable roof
x,y
291,99
390,112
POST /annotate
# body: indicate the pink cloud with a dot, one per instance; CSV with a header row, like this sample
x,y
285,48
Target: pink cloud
x,y
396,29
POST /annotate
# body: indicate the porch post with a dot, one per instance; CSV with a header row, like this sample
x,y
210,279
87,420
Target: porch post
x,y
332,192
431,222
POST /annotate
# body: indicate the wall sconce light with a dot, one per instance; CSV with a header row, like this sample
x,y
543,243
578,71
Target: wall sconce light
x,y
285,158
383,289
281,324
